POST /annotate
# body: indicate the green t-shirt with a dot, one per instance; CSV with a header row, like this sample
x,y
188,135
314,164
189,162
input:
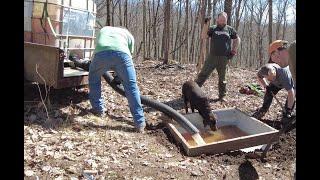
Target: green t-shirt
x,y
220,43
115,38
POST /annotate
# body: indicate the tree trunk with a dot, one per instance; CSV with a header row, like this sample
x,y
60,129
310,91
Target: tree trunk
x,y
238,15
120,14
284,13
192,47
166,30
108,13
112,12
227,9
186,59
270,21
214,9
177,32
202,36
154,28
144,19
125,16
149,31
209,14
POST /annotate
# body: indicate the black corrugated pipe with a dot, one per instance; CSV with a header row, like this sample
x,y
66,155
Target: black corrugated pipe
x,y
169,111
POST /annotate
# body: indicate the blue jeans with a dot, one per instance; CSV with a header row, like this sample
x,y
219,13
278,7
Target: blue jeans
x,y
122,64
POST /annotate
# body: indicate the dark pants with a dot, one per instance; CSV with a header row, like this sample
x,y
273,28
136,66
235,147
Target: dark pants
x,y
214,62
268,97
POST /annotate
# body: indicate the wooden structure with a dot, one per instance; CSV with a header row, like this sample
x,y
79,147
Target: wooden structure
x,y
52,30
258,132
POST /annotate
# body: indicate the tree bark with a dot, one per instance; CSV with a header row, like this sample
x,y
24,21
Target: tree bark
x,y
125,16
120,14
108,13
167,31
202,36
144,19
187,32
228,9
270,21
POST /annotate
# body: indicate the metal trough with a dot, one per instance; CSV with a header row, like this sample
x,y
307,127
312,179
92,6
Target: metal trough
x,y
254,133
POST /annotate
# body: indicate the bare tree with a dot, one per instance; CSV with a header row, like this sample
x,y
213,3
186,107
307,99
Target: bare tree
x,y
187,31
258,17
166,30
120,14
179,31
227,9
125,15
238,14
270,21
284,14
204,29
108,13
144,21
192,47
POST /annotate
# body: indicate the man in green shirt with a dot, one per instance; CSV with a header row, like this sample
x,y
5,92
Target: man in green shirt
x,y
114,50
221,51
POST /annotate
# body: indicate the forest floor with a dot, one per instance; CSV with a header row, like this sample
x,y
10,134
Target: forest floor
x,y
74,144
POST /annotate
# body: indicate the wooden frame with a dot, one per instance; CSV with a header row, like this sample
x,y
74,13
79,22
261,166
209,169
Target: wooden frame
x,y
255,137
50,67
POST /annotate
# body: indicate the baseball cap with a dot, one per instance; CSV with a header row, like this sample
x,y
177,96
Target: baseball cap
x,y
277,44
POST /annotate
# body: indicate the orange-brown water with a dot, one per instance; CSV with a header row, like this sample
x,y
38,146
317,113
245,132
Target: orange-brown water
x,y
223,133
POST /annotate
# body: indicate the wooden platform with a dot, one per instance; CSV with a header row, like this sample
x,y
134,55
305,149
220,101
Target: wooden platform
x,y
257,133
69,72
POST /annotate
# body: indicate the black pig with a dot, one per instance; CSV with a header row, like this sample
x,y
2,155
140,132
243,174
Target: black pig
x,y
193,94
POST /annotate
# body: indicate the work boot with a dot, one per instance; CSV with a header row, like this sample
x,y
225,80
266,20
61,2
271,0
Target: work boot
x,y
141,129
222,91
222,98
100,114
259,113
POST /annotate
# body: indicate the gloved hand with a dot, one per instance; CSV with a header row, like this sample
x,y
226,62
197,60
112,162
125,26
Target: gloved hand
x,y
210,32
287,112
207,19
232,53
268,88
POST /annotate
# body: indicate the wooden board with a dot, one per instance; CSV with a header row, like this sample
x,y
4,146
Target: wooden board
x,y
258,132
69,72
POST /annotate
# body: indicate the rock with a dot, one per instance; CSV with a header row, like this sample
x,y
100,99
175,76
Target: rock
x,y
29,173
169,155
59,178
91,163
46,168
68,145
124,147
145,163
196,173
90,171
57,170
267,165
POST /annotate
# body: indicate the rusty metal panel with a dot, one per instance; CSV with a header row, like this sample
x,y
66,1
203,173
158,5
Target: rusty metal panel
x,y
48,60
